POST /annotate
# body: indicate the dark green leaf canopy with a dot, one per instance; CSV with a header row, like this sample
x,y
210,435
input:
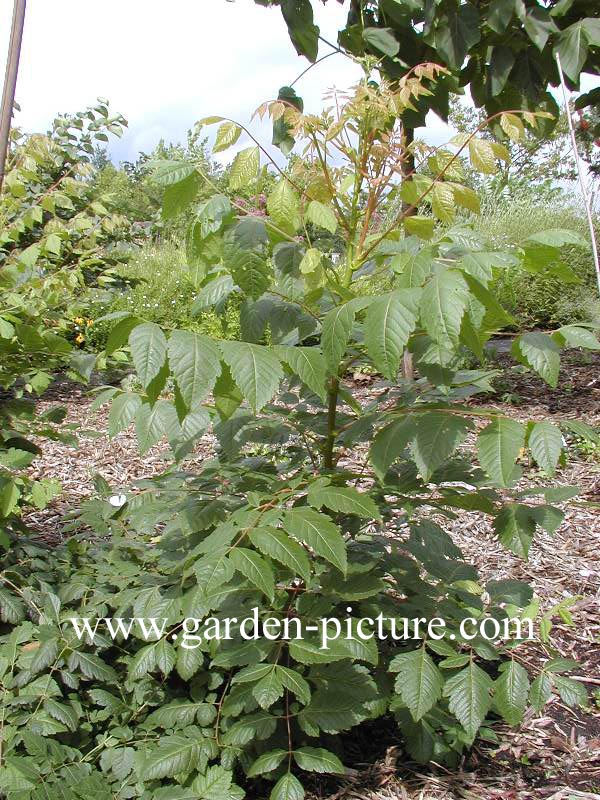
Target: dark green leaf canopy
x,y
504,51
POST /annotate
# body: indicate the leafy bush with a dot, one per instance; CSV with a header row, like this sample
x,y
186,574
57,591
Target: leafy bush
x,y
313,505
57,239
136,195
161,290
539,300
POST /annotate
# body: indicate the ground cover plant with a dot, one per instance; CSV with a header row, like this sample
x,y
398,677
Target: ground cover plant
x,y
279,520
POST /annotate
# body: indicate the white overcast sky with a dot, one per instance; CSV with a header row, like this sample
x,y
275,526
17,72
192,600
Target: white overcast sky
x,y
165,65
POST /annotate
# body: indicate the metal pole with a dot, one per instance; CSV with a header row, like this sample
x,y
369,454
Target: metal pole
x,y
587,200
10,80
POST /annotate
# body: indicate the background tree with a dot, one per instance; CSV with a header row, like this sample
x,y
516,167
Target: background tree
x,y
502,51
537,165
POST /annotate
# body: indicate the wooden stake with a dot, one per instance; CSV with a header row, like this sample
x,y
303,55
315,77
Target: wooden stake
x,y
10,81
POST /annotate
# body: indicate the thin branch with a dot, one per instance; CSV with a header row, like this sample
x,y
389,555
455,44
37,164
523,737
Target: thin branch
x,y
407,211
316,63
265,151
325,168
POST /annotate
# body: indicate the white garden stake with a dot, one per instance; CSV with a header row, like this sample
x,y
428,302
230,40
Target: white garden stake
x,y
587,200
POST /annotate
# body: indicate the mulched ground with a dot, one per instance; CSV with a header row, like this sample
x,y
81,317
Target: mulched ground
x,y
554,756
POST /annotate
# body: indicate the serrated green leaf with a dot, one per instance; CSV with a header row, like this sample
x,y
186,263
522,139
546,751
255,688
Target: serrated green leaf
x,y
420,226
12,609
511,692
189,660
443,305
575,336
557,237
227,135
122,412
215,784
308,364
150,424
437,435
498,446
165,656
389,322
278,545
173,756
195,364
296,684
148,351
283,207
337,327
9,497
571,692
545,443
255,369
344,499
143,662
245,168
214,292
541,691
482,156
321,215
250,270
419,681
178,714
119,335
268,689
466,197
469,697
540,352
515,526
255,568
389,444
442,202
91,666
252,673
311,261
287,788
319,532
167,173
179,196
266,763
317,759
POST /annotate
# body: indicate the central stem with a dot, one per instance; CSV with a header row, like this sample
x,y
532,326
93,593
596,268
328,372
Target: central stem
x,y
331,416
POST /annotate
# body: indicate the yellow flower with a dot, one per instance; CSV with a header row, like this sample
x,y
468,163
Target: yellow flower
x,y
79,339
78,321
89,322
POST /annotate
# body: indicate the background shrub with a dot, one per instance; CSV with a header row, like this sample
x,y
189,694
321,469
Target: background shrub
x,y
538,301
162,291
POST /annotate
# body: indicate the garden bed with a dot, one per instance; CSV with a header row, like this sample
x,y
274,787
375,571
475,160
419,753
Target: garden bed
x,y
554,755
